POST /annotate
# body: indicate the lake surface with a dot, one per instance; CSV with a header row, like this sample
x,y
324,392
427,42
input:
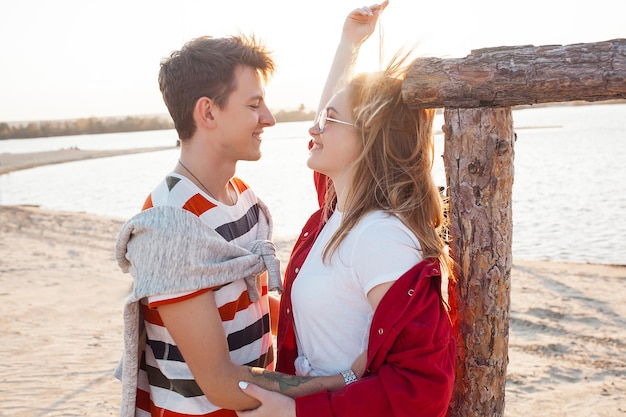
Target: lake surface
x,y
569,192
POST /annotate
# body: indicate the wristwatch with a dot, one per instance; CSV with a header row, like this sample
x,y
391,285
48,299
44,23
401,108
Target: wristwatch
x,y
348,376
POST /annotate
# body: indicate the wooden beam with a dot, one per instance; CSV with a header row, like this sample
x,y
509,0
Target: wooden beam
x,y
520,75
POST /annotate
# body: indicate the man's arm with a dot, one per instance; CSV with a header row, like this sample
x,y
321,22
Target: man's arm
x,y
196,327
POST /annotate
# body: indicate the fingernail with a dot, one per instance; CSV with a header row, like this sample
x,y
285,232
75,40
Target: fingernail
x,y
243,384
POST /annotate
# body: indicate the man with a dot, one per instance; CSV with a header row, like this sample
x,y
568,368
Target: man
x,y
198,321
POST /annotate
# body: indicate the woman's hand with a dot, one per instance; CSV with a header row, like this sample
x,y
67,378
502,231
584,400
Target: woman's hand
x,y
273,404
359,25
361,22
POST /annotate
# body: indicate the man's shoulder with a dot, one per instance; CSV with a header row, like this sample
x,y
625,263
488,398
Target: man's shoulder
x,y
174,191
241,185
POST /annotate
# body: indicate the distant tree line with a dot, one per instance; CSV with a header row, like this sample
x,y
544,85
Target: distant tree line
x,y
87,126
95,125
299,115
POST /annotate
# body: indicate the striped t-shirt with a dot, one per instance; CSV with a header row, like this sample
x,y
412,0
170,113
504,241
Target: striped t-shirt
x,y
166,386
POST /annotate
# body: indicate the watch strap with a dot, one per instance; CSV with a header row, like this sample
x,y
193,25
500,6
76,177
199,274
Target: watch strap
x,y
348,376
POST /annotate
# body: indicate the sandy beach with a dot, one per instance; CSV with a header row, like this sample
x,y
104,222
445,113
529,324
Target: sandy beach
x,y
12,162
62,295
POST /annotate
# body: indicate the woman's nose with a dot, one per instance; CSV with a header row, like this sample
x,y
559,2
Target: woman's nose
x,y
314,130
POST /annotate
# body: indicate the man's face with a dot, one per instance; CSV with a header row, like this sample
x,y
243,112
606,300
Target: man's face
x,y
242,120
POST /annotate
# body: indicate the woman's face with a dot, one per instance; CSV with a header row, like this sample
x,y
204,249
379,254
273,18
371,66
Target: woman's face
x,y
338,145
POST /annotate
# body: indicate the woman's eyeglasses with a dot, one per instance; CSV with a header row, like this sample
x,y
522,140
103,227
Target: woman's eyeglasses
x,y
323,118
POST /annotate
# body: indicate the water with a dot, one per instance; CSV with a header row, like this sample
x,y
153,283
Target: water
x,y
98,142
569,193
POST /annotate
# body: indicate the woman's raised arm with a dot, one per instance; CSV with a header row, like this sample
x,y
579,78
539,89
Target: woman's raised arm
x,y
359,25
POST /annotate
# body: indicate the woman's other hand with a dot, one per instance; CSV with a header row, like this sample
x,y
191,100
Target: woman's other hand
x,y
273,404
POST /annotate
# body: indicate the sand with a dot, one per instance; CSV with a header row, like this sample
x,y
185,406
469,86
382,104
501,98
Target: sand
x,y
61,299
15,161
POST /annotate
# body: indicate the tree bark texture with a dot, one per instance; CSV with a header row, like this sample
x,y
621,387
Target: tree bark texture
x,y
478,158
519,75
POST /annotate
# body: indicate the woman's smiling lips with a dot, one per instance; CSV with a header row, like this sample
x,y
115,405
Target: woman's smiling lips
x,y
314,145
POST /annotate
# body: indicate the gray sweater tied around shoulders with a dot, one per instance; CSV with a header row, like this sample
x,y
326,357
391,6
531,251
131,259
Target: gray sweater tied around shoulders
x,y
171,250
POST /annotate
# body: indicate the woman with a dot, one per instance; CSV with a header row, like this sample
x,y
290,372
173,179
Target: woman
x,y
365,274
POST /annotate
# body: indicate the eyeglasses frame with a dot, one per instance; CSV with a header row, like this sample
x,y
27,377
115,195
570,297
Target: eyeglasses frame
x,y
323,118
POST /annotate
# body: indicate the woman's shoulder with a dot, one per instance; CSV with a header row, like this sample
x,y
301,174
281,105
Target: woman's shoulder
x,y
379,219
382,226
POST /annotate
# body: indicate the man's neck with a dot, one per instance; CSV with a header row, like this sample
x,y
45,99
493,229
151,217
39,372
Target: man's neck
x,y
210,175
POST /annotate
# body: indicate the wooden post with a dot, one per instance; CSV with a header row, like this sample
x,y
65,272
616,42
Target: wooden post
x,y
478,157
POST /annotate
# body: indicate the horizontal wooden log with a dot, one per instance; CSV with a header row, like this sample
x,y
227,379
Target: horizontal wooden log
x,y
519,75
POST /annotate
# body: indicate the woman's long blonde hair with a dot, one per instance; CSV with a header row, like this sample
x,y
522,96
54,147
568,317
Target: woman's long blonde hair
x,y
394,170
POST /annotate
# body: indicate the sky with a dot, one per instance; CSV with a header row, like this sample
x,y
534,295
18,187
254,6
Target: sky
x,y
67,59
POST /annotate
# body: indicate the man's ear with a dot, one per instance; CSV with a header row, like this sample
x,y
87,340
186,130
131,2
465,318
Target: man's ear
x,y
202,112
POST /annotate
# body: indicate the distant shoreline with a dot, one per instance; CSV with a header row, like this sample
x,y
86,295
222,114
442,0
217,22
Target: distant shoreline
x,y
34,129
99,125
10,162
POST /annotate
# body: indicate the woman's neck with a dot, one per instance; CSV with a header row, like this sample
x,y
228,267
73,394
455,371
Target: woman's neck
x,y
342,188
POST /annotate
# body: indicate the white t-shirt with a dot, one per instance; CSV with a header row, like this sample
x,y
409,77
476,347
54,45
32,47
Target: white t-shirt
x,y
332,314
